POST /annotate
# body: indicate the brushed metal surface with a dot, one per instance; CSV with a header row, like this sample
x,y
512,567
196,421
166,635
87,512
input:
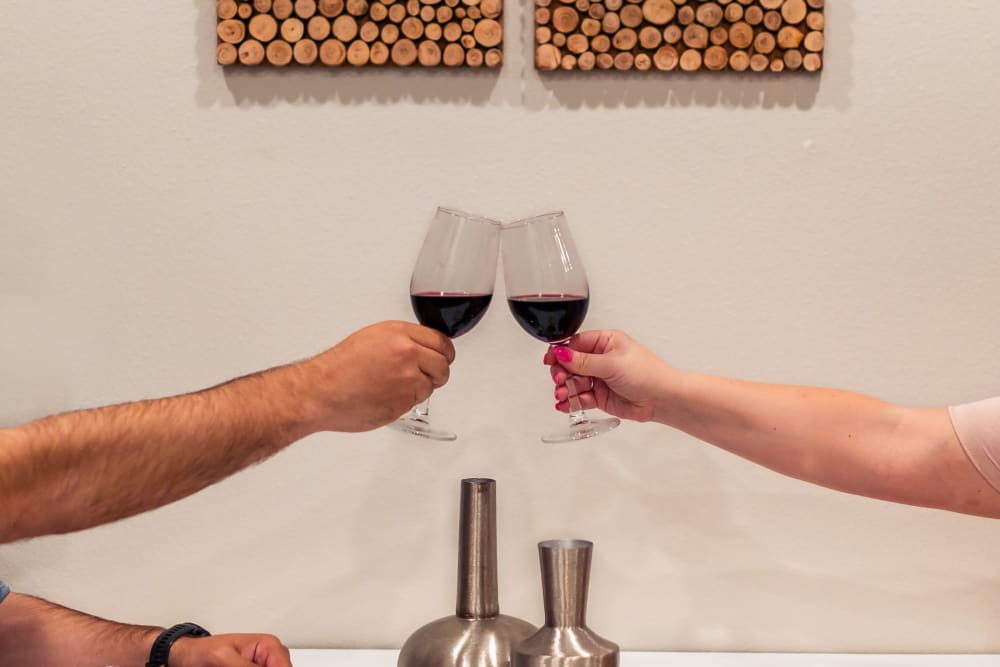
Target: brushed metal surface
x,y
565,638
478,635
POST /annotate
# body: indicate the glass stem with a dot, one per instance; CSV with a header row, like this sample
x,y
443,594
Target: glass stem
x,y
422,411
576,412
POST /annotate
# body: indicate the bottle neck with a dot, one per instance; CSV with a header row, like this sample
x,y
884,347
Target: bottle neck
x,y
565,579
477,551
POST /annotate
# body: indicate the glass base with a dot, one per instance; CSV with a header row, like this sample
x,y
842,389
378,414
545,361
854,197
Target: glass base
x,y
421,428
588,428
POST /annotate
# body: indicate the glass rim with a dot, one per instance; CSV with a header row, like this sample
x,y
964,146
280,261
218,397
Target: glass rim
x,y
534,218
468,216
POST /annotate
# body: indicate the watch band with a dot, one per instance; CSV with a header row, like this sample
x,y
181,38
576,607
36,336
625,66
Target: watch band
x,y
159,655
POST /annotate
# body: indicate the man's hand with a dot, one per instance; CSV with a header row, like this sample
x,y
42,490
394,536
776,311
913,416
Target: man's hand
x,y
35,632
81,469
230,651
374,375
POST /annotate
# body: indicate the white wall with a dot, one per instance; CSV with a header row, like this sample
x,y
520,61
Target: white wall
x,y
165,225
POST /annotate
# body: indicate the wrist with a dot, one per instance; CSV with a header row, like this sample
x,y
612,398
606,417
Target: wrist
x,y
170,647
287,401
149,636
181,651
143,643
669,395
303,410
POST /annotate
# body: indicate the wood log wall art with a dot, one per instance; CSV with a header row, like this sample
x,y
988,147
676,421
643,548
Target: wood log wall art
x,y
685,35
333,33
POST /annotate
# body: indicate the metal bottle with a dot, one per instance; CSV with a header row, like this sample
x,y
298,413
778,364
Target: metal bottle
x,y
565,640
478,635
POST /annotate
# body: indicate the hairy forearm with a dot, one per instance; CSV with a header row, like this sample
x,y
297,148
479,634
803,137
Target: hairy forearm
x,y
838,439
36,632
90,467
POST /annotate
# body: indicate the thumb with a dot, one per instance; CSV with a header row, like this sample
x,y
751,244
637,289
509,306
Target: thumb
x,y
583,363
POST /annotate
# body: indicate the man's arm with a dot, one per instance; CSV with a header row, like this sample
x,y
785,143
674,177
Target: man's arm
x,y
82,469
838,439
36,632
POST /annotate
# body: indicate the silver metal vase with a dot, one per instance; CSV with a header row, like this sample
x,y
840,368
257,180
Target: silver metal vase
x,y
565,640
478,635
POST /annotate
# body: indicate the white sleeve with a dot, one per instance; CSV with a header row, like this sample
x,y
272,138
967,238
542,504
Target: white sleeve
x,y
978,428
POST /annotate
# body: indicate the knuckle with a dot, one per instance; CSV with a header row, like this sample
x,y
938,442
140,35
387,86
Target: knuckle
x,y
392,328
403,348
411,374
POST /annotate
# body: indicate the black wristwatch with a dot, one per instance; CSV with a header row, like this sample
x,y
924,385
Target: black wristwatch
x,y
159,655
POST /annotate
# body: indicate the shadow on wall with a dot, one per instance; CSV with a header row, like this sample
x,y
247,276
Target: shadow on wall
x,y
518,84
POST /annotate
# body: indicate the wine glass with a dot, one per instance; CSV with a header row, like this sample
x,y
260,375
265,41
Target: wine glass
x,y
451,288
548,295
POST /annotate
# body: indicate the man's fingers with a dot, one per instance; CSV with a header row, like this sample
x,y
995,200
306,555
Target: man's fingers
x,y
277,658
274,653
434,340
234,659
434,366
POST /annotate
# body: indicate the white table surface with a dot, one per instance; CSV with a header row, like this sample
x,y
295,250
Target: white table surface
x,y
353,658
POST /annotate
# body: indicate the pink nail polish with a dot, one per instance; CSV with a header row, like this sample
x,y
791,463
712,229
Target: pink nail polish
x,y
564,354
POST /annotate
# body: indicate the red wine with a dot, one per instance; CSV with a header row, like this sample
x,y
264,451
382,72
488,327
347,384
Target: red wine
x,y
451,314
549,317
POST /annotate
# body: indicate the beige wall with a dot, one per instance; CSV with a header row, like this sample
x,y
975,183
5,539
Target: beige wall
x,y
166,225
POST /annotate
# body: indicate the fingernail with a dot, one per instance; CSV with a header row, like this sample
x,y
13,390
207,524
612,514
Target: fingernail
x,y
564,354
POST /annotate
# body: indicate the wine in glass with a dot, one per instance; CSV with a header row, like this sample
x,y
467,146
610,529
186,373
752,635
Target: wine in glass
x,y
451,288
548,295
